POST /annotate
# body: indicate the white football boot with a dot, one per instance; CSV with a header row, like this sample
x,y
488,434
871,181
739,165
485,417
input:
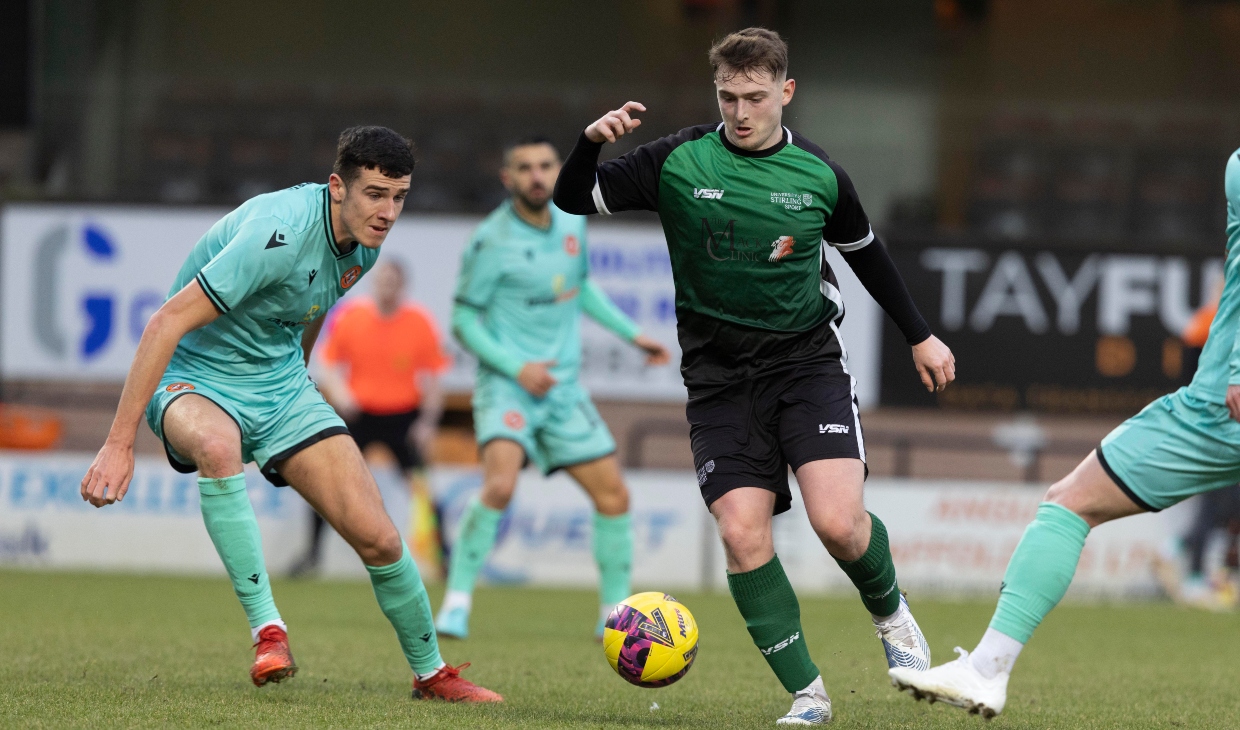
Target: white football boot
x,y
958,683
810,706
903,642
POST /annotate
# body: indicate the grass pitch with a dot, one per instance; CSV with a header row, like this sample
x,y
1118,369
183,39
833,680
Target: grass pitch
x,y
137,651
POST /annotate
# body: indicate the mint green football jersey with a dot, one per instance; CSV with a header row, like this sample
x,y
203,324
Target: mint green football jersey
x,y
526,281
270,267
1219,365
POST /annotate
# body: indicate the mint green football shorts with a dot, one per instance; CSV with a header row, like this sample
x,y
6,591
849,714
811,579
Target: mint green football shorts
x,y
277,416
560,430
1176,447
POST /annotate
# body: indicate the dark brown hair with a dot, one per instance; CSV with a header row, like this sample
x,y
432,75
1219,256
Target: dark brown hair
x,y
747,51
370,148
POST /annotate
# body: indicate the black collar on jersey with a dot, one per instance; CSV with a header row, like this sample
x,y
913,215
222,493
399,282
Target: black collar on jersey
x,y
784,139
327,228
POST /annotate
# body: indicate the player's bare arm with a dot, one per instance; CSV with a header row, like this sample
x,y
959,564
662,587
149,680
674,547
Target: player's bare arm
x,y
422,432
656,353
615,124
107,479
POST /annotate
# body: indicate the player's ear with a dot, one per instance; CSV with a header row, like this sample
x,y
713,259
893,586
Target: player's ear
x,y
790,87
336,188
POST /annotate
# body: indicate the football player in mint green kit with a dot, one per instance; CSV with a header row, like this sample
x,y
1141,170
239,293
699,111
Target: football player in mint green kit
x,y
1180,445
221,374
522,288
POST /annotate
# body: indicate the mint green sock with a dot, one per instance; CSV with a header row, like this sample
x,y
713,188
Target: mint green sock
x,y
1040,570
773,617
874,574
402,598
231,523
473,544
613,551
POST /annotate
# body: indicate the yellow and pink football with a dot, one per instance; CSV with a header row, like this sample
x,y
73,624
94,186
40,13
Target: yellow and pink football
x,y
650,639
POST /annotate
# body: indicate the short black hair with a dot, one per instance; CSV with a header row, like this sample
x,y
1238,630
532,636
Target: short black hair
x,y
372,147
528,140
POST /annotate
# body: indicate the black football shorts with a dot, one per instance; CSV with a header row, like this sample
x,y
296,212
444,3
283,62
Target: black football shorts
x,y
748,433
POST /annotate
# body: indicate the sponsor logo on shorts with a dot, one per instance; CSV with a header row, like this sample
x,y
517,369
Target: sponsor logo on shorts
x,y
781,247
571,245
706,469
178,387
781,645
350,277
832,428
514,420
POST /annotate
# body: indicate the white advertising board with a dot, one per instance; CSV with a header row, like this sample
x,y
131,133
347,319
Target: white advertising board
x,y
78,283
946,537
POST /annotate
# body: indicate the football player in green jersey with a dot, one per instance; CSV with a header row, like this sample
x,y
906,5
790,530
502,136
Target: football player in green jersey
x,y
523,286
748,206
1183,444
220,372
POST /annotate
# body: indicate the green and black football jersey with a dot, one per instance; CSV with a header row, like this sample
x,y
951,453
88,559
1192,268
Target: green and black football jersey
x,y
745,231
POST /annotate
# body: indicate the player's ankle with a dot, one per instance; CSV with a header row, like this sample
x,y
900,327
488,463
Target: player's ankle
x,y
996,654
431,674
254,631
455,599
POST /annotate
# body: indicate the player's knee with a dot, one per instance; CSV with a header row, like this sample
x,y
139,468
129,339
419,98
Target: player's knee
x,y
217,455
747,548
613,499
382,548
842,533
497,490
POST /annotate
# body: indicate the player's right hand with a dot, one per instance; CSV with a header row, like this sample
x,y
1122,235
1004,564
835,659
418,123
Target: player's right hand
x,y
536,377
1233,401
615,124
107,479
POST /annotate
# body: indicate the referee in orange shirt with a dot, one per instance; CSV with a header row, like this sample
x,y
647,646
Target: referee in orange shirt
x,y
379,367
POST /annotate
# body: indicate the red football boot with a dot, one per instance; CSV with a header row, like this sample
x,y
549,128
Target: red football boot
x,y
273,661
447,685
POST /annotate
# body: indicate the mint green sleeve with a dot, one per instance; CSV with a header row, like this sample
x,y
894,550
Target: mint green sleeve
x,y
601,309
481,272
1231,271
469,330
261,251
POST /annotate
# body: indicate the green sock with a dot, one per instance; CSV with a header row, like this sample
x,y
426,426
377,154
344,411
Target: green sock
x,y
473,543
874,574
1040,571
773,617
613,551
403,599
231,523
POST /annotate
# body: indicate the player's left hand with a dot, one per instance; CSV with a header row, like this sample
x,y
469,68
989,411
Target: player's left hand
x,y
656,353
935,364
1233,401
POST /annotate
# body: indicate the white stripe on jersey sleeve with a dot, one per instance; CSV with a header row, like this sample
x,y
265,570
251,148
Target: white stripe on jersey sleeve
x,y
855,245
597,193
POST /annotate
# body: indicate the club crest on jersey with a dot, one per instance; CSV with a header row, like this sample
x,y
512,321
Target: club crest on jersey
x,y
708,193
179,387
781,247
572,246
350,277
514,420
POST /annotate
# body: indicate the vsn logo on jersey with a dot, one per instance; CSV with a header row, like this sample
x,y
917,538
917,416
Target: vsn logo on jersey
x,y
708,193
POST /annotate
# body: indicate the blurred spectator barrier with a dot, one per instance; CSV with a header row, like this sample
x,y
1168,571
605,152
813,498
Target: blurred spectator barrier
x,y
946,536
1050,328
79,283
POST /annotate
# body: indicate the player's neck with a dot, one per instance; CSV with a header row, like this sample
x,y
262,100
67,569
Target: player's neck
x,y
344,241
539,218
